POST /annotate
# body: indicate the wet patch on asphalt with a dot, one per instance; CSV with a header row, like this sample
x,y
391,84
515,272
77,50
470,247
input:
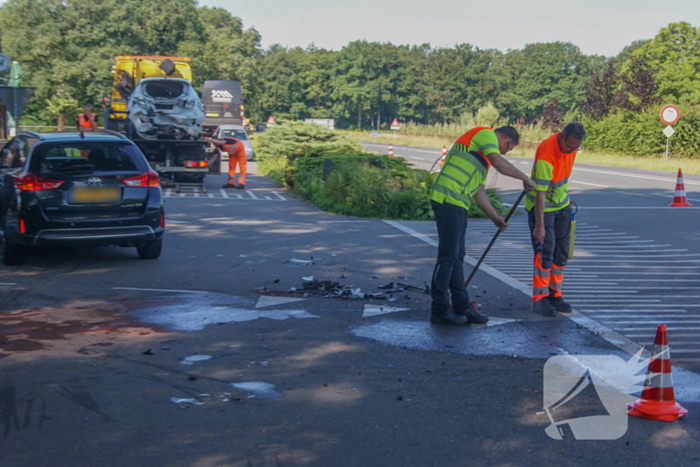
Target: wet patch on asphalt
x,y
513,338
193,312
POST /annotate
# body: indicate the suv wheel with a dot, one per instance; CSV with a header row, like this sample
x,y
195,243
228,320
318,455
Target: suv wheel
x,y
12,255
150,250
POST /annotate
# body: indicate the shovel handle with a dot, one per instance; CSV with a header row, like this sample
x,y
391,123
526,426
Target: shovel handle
x,y
493,240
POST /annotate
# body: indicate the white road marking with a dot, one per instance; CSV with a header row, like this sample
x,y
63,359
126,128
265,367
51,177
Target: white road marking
x,y
251,194
644,177
279,196
159,290
591,184
7,283
267,300
223,193
341,222
673,196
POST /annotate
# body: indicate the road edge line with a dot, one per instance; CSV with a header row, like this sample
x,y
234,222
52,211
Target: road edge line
x,y
618,340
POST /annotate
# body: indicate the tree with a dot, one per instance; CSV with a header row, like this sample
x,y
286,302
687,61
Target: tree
x,y
639,84
60,108
552,116
675,52
601,95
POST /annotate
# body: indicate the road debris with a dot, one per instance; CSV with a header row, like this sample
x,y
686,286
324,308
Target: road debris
x,y
148,352
185,401
308,278
259,389
191,360
301,261
425,290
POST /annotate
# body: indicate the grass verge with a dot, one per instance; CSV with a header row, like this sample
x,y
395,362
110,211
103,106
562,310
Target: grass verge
x,y
353,183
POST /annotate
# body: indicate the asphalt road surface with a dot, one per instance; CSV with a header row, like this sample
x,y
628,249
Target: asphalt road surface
x,y
215,355
636,262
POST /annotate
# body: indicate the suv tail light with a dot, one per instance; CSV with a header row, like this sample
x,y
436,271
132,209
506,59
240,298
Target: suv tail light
x,y
31,182
196,164
150,178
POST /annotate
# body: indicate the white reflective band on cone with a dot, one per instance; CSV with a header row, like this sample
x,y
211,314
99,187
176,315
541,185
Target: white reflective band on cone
x,y
659,380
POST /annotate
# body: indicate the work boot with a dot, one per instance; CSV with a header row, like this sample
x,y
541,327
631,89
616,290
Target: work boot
x,y
229,186
240,187
448,317
544,307
559,304
473,315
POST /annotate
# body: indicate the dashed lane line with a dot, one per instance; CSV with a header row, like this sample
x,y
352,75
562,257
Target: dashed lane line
x,y
249,196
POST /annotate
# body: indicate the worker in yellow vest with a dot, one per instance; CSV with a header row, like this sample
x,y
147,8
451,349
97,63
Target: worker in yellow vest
x,y
549,217
462,178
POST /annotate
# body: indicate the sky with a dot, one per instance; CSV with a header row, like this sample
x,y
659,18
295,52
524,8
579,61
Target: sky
x,y
597,26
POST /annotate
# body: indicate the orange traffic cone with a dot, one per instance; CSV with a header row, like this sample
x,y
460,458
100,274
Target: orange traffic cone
x,y
680,200
444,155
391,151
658,401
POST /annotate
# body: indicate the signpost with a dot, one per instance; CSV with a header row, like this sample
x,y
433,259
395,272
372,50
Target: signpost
x,y
394,125
271,121
669,115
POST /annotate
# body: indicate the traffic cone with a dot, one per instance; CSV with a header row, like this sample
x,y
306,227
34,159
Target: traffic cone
x,y
657,401
444,155
391,151
680,200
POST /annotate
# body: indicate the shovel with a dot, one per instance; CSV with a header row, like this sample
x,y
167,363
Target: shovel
x,y
493,240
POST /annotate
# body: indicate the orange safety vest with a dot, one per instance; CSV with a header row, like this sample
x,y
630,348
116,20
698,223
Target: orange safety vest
x,y
85,124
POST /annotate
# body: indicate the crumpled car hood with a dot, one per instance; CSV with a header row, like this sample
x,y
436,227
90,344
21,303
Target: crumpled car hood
x,y
165,117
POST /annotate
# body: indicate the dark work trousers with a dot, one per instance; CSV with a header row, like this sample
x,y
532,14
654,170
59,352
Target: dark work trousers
x,y
448,276
554,252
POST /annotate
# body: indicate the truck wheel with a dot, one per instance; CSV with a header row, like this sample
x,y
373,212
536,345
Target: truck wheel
x,y
150,250
12,255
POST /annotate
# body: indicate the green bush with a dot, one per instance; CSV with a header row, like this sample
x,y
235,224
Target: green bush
x,y
640,134
359,184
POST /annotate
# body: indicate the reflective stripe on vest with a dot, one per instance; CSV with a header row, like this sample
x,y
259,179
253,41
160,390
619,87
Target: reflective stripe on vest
x,y
549,204
460,177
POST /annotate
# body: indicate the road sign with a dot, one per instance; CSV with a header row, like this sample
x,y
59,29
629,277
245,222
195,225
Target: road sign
x,y
271,121
669,131
670,114
4,63
395,125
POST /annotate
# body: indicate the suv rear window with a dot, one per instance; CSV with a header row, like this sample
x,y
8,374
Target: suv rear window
x,y
238,134
164,89
86,157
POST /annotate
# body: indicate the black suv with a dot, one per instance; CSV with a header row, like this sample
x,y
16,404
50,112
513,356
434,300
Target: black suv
x,y
78,189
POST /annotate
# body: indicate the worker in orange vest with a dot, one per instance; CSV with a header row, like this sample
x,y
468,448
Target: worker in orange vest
x,y
87,121
236,155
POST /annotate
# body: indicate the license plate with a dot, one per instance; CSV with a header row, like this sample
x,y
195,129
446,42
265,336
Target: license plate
x,y
212,114
107,194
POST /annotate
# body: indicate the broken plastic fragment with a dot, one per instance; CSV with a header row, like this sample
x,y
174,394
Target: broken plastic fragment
x,y
308,278
300,261
185,401
194,358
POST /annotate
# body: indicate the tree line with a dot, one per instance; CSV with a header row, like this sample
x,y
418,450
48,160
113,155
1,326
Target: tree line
x,y
67,49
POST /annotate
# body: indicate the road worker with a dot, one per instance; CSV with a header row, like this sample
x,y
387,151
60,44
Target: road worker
x,y
549,217
462,178
87,121
236,155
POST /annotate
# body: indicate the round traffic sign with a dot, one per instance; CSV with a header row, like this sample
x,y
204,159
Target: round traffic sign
x,y
670,114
